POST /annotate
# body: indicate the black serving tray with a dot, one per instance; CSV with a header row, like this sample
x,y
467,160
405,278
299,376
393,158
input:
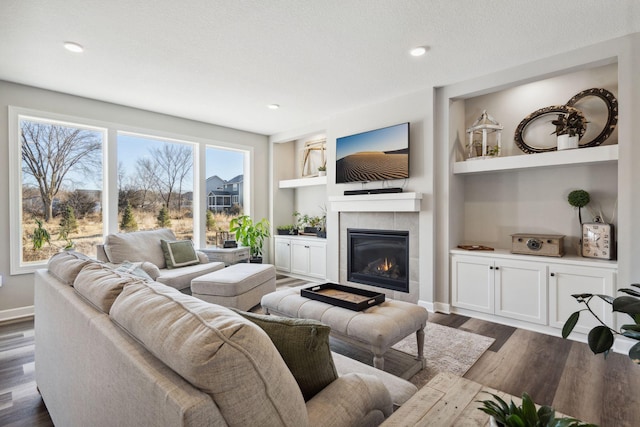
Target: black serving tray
x,y
343,296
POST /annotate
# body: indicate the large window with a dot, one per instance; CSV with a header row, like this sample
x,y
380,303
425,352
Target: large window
x,y
60,188
225,191
67,175
155,185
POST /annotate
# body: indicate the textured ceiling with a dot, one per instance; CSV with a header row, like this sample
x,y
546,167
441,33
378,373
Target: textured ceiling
x,y
222,61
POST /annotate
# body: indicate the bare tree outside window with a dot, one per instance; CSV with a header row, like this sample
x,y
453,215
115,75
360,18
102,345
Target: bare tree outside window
x,y
51,152
155,175
61,173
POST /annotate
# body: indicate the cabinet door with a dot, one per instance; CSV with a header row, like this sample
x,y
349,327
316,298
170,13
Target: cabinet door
x,y
283,255
567,280
472,283
318,260
299,257
521,290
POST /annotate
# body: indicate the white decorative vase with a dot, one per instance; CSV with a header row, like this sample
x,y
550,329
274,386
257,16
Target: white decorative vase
x,y
566,142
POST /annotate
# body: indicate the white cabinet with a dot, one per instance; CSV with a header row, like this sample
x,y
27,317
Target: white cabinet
x,y
510,288
521,290
566,280
531,289
472,283
301,256
283,255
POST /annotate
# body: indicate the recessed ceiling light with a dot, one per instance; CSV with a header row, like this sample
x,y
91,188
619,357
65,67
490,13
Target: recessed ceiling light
x,y
273,106
418,51
73,47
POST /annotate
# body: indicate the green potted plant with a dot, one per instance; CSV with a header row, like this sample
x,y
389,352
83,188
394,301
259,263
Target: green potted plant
x,y
251,234
322,170
602,337
569,127
579,199
525,415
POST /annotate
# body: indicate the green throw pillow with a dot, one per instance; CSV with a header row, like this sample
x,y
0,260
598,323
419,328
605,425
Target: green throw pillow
x,y
304,347
179,253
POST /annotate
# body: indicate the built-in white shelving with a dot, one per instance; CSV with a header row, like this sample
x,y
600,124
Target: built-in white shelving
x,y
303,182
581,156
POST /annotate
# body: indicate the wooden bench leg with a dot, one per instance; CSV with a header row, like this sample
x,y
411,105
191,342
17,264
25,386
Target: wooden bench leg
x,y
420,342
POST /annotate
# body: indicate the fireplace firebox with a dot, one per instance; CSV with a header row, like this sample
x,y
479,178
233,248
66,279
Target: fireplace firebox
x,y
378,258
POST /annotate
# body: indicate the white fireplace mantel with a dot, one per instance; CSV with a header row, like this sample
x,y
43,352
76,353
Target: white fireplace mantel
x,y
389,202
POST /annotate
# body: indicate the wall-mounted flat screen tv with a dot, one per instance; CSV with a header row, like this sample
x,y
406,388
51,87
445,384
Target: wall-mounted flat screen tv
x,y
375,155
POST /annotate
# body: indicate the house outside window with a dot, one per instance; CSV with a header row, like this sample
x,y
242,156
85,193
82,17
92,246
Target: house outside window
x,y
225,174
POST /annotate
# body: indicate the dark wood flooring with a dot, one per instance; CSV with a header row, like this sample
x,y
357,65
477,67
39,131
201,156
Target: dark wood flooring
x,y
553,371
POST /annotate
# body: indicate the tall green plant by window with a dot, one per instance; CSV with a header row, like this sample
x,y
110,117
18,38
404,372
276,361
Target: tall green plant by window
x,y
250,234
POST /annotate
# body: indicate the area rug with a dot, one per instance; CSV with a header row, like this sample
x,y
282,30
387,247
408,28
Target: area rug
x,y
445,350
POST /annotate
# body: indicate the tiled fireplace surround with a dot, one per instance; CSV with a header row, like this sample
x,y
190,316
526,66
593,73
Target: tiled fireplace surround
x,y
407,221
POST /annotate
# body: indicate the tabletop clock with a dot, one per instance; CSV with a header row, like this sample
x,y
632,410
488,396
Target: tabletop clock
x,y
598,240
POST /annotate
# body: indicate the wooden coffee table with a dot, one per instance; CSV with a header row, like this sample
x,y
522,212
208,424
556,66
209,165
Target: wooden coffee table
x,y
447,400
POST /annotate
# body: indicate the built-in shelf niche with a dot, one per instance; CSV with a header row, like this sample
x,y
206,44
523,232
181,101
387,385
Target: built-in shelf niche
x,y
489,204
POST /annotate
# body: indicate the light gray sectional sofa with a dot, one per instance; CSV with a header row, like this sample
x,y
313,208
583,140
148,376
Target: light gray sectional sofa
x,y
113,349
144,246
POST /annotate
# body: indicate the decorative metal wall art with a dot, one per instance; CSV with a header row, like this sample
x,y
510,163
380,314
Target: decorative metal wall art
x,y
612,119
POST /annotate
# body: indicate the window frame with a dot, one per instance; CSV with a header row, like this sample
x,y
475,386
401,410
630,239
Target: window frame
x,y
110,174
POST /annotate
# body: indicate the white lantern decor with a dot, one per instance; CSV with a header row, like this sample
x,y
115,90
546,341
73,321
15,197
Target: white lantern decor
x,y
484,140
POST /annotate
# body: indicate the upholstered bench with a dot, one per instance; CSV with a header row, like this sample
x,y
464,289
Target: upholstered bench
x,y
376,329
240,285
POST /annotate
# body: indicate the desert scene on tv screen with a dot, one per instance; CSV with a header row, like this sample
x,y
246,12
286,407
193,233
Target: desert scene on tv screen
x,y
373,156
373,166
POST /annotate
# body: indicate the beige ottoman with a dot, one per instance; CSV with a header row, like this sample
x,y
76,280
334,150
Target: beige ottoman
x,y
375,329
240,285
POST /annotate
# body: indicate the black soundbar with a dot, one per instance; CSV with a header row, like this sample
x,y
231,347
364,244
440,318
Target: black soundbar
x,y
373,191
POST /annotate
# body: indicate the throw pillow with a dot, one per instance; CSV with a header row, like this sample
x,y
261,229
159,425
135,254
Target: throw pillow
x,y
304,347
133,268
179,253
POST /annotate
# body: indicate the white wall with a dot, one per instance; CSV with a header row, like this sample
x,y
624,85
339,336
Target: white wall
x,y
16,293
415,108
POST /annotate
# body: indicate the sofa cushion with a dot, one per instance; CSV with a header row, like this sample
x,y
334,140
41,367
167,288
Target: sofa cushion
x,y
181,278
216,350
179,253
66,265
304,346
138,246
101,285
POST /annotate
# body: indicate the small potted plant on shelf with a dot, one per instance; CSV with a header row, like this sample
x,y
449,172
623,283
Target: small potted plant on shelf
x,y
322,170
250,234
525,415
570,128
288,229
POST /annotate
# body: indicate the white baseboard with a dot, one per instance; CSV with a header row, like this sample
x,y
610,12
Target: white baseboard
x,y
16,313
433,307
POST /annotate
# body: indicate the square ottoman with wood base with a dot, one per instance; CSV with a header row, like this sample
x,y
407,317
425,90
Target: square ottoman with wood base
x,y
240,285
375,329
